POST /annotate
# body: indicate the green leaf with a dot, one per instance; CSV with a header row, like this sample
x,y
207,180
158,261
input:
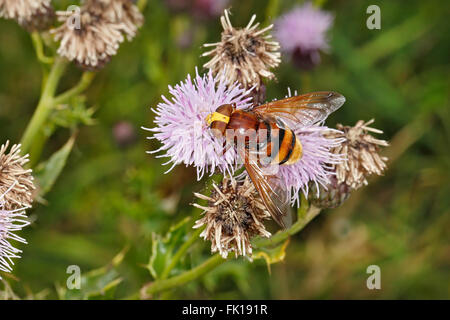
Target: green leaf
x,y
47,172
72,114
272,255
97,284
164,247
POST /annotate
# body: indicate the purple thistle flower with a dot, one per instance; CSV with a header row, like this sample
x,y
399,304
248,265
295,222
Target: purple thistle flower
x,y
182,129
10,221
302,33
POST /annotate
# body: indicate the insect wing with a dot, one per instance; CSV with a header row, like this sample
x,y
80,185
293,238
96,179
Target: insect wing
x,y
306,109
271,189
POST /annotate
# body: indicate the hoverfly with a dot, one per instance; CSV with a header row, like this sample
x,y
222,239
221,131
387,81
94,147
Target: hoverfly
x,y
274,139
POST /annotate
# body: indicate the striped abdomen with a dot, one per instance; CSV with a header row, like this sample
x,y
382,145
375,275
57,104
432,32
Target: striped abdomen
x,y
279,143
275,140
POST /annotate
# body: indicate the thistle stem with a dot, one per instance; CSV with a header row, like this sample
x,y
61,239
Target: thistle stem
x,y
39,48
305,215
44,106
83,84
166,284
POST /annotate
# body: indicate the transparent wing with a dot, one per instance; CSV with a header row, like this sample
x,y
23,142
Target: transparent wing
x,y
306,109
271,189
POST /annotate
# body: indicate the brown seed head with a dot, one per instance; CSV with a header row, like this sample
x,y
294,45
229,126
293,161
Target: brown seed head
x,y
15,178
244,55
363,154
233,216
31,14
91,36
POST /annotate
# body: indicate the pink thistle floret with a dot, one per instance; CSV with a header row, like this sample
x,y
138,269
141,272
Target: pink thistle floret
x,y
315,164
182,129
10,221
303,28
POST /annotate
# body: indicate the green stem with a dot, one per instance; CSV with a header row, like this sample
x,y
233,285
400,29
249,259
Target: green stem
x,y
37,147
305,215
166,284
83,84
39,47
44,106
181,252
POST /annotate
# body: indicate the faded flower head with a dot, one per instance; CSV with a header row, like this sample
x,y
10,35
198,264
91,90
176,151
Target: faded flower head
x,y
31,14
302,34
10,221
16,183
122,12
182,129
234,215
314,166
92,35
362,152
244,55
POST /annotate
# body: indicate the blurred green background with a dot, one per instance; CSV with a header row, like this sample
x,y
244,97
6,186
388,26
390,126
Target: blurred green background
x,y
110,196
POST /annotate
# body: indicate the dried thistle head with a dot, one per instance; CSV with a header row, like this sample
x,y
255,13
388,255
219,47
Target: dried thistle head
x,y
244,55
93,35
16,183
31,14
122,12
233,216
362,152
90,43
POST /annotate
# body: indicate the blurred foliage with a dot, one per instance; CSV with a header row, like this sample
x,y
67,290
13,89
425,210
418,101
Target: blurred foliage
x,y
110,196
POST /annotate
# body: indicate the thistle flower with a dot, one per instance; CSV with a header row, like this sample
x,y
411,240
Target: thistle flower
x,y
182,129
302,34
31,14
233,216
93,35
13,174
314,166
362,152
245,55
10,221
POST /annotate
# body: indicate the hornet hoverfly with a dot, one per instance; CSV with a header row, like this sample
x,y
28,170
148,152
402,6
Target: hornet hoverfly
x,y
269,127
